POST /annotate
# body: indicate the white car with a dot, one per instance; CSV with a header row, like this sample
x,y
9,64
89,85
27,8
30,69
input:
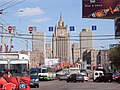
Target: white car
x,y
86,78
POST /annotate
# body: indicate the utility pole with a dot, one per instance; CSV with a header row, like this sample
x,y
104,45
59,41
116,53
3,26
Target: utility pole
x,y
2,38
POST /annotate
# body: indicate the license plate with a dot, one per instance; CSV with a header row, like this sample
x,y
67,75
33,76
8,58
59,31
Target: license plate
x,y
22,86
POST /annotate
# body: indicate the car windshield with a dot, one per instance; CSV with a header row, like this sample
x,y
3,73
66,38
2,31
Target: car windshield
x,y
33,71
34,77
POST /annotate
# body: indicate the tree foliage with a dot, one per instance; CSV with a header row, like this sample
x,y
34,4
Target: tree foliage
x,y
115,57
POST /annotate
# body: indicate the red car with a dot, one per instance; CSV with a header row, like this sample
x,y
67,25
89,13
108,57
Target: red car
x,y
117,78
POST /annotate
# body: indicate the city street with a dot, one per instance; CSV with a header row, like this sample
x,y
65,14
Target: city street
x,y
63,85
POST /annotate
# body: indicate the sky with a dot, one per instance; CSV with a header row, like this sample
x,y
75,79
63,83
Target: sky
x,y
45,13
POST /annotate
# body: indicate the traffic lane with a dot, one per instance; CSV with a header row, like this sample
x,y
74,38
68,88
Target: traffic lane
x,y
63,85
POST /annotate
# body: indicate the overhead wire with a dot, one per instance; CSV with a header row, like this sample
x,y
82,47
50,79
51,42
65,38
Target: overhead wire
x,y
6,3
13,4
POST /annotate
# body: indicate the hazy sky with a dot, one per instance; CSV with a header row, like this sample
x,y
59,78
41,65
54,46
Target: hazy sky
x,y
46,13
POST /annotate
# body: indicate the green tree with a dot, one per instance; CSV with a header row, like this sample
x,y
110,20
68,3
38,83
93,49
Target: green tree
x,y
115,58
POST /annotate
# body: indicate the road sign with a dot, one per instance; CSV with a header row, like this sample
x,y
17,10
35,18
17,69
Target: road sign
x,y
94,27
9,28
30,29
50,28
72,28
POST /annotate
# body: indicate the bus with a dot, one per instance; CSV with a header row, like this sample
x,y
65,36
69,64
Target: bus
x,y
14,71
47,73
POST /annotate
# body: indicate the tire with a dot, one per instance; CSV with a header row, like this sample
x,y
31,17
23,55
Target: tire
x,y
60,79
67,81
74,81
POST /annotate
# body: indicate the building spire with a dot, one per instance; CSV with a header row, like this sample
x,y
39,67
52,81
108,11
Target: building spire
x,y
61,23
60,16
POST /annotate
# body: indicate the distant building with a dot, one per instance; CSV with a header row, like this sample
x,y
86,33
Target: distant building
x,y
48,50
86,41
75,52
97,58
38,48
61,42
35,56
38,41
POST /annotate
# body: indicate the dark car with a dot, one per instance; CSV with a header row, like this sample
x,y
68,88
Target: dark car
x,y
63,77
75,78
34,81
108,77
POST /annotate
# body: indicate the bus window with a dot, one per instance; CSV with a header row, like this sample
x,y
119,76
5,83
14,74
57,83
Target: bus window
x,y
3,69
44,71
18,69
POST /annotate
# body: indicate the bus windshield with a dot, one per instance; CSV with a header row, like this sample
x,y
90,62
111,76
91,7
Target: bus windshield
x,y
18,69
43,70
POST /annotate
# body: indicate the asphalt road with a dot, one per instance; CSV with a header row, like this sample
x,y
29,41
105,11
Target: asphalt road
x,y
63,85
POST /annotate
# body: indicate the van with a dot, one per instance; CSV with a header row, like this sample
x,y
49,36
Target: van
x,y
97,74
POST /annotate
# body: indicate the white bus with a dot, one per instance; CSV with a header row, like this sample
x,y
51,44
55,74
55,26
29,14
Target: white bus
x,y
47,73
14,67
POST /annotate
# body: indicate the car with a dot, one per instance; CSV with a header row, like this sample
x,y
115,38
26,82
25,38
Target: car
x,y
34,81
63,77
75,77
97,73
107,77
85,76
117,77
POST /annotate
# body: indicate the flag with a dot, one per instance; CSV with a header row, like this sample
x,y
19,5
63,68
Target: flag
x,y
6,48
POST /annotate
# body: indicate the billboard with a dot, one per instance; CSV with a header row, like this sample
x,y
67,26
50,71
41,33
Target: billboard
x,y
117,28
100,8
51,61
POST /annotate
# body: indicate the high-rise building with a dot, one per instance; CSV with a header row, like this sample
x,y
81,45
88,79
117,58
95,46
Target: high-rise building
x,y
86,41
48,50
38,41
38,47
61,42
75,52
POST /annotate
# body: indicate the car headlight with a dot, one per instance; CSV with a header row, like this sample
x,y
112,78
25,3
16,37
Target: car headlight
x,y
36,79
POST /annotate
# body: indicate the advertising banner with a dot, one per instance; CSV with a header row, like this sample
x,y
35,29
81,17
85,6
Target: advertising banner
x,y
100,8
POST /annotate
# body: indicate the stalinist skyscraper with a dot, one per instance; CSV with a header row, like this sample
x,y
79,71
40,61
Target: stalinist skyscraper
x,y
61,42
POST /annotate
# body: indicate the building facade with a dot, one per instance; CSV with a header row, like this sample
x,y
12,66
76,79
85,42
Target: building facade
x,y
86,41
48,50
38,41
75,52
38,48
61,42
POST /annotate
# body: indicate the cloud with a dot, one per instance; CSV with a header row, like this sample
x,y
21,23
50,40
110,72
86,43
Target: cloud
x,y
40,20
30,11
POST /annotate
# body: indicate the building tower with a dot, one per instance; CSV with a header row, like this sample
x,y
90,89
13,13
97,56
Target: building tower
x,y
61,42
38,41
38,47
86,41
75,52
48,50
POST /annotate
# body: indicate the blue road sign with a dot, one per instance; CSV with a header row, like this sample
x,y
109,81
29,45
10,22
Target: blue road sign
x,y
50,28
72,28
94,27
